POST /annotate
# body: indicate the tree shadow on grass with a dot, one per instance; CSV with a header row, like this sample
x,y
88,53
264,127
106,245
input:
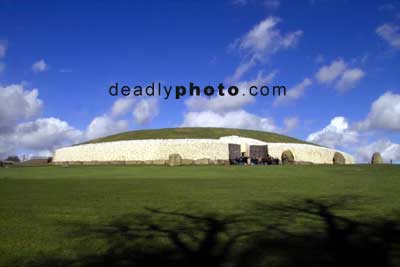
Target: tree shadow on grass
x,y
326,238
300,233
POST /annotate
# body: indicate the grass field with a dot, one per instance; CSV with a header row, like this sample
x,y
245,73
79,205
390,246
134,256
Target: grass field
x,y
120,215
197,133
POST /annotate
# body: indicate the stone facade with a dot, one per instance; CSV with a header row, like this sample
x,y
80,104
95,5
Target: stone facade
x,y
287,157
307,153
376,158
144,150
191,151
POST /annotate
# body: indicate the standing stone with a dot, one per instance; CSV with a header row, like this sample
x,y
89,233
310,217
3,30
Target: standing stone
x,y
376,158
287,157
174,160
338,158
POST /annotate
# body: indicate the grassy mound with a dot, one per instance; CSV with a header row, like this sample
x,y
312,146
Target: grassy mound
x,y
197,133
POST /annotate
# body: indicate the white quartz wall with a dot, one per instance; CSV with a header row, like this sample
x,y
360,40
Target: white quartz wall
x,y
142,150
301,152
305,152
214,149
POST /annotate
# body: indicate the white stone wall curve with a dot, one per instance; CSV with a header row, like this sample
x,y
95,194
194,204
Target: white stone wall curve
x,y
160,149
144,150
306,152
301,152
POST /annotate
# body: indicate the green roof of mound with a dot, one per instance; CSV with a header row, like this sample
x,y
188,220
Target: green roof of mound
x,y
197,133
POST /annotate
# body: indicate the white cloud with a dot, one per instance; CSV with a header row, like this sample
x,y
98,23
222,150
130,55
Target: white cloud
x,y
226,111
46,134
42,135
384,113
17,104
39,66
390,33
330,72
228,102
290,123
146,110
143,112
339,73
387,149
232,119
337,133
7,144
349,79
122,106
294,93
260,42
105,125
254,47
242,69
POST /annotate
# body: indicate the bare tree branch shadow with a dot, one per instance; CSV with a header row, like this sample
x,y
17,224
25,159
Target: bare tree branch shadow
x,y
326,238
308,232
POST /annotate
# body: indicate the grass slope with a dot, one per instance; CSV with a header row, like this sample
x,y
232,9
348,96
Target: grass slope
x,y
39,205
196,133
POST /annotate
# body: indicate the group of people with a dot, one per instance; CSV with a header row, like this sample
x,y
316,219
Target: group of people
x,y
267,160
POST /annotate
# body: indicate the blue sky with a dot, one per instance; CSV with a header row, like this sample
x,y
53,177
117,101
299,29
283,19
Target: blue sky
x,y
339,60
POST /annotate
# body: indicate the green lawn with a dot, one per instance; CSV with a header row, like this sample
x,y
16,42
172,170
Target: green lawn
x,y
40,205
